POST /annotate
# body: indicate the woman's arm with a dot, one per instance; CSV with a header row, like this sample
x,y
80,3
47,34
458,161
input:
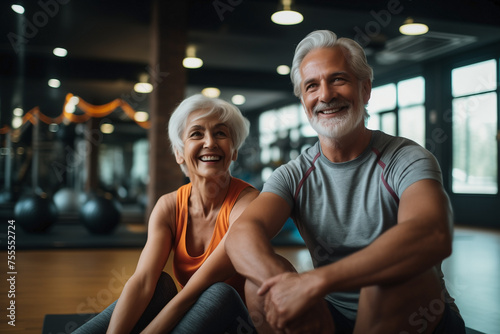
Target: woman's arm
x,y
139,289
216,268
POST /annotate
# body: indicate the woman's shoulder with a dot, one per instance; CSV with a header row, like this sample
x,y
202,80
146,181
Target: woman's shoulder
x,y
246,196
164,210
167,200
247,190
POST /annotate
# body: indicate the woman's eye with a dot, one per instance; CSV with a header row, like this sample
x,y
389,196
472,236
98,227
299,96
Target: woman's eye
x,y
195,134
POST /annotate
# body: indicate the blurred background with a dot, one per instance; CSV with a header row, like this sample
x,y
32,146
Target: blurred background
x,y
86,89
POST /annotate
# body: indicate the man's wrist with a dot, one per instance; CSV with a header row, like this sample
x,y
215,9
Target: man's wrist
x,y
315,283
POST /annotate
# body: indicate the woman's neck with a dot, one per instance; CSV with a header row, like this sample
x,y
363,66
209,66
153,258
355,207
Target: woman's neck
x,y
207,195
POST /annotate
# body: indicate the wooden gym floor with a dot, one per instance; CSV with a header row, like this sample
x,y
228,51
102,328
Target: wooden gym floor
x,y
84,281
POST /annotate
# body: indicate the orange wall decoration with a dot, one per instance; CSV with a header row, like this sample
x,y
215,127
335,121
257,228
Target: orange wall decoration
x,y
89,110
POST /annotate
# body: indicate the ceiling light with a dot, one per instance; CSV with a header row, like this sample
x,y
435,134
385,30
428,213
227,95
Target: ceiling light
x,y
60,52
53,127
238,99
70,107
283,69
18,112
18,9
17,122
141,116
411,28
54,83
287,16
75,100
143,86
211,92
107,128
191,61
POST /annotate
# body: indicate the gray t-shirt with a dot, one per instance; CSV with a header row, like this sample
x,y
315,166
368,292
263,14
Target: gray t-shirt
x,y
340,208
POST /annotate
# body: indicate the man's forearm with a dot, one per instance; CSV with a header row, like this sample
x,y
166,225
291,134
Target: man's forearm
x,y
404,251
251,253
421,239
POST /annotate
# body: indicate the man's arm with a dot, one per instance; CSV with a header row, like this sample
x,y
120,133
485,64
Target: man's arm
x,y
421,239
248,241
249,248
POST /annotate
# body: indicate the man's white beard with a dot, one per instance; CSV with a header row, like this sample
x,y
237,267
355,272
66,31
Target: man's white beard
x,y
337,127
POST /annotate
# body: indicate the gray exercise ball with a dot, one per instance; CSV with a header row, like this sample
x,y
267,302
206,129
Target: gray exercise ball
x,y
67,200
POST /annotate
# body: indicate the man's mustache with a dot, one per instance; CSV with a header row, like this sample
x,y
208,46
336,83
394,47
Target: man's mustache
x,y
330,105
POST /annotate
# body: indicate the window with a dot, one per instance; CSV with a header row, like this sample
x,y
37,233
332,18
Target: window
x,y
111,165
411,120
280,131
474,126
398,109
382,108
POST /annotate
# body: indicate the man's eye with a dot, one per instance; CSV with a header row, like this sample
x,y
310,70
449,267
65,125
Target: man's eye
x,y
310,86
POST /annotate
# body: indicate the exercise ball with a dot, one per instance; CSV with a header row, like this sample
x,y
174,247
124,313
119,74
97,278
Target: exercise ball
x,y
67,200
100,215
35,213
6,196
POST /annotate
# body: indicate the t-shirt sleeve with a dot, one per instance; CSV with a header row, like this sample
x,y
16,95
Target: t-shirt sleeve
x,y
410,164
281,183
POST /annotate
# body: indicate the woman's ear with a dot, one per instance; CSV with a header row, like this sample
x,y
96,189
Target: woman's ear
x,y
179,158
235,155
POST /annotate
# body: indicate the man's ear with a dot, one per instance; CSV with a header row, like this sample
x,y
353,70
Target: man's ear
x,y
304,106
366,91
179,158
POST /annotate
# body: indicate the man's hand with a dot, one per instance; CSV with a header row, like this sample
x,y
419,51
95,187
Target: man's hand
x,y
291,307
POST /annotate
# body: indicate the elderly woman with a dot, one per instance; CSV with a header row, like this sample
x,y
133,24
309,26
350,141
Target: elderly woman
x,y
205,135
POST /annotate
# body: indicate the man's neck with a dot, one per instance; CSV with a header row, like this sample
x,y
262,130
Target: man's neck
x,y
348,147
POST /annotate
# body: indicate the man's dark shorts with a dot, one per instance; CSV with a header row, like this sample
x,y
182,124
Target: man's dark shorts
x,y
451,322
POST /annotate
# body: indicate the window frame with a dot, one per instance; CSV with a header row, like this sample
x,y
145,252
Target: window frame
x,y
466,60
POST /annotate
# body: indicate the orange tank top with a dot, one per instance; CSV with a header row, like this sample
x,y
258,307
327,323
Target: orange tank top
x,y
184,264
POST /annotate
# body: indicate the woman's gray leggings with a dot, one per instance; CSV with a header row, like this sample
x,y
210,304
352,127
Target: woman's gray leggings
x,y
219,309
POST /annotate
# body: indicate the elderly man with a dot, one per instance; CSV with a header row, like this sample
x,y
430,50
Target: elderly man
x,y
370,207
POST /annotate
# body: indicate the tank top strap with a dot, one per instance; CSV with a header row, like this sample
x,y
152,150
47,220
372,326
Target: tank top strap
x,y
181,210
234,191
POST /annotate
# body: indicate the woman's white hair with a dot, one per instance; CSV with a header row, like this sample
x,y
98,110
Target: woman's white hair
x,y
318,39
228,114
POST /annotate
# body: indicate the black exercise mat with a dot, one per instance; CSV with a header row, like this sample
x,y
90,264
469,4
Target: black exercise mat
x,y
64,323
